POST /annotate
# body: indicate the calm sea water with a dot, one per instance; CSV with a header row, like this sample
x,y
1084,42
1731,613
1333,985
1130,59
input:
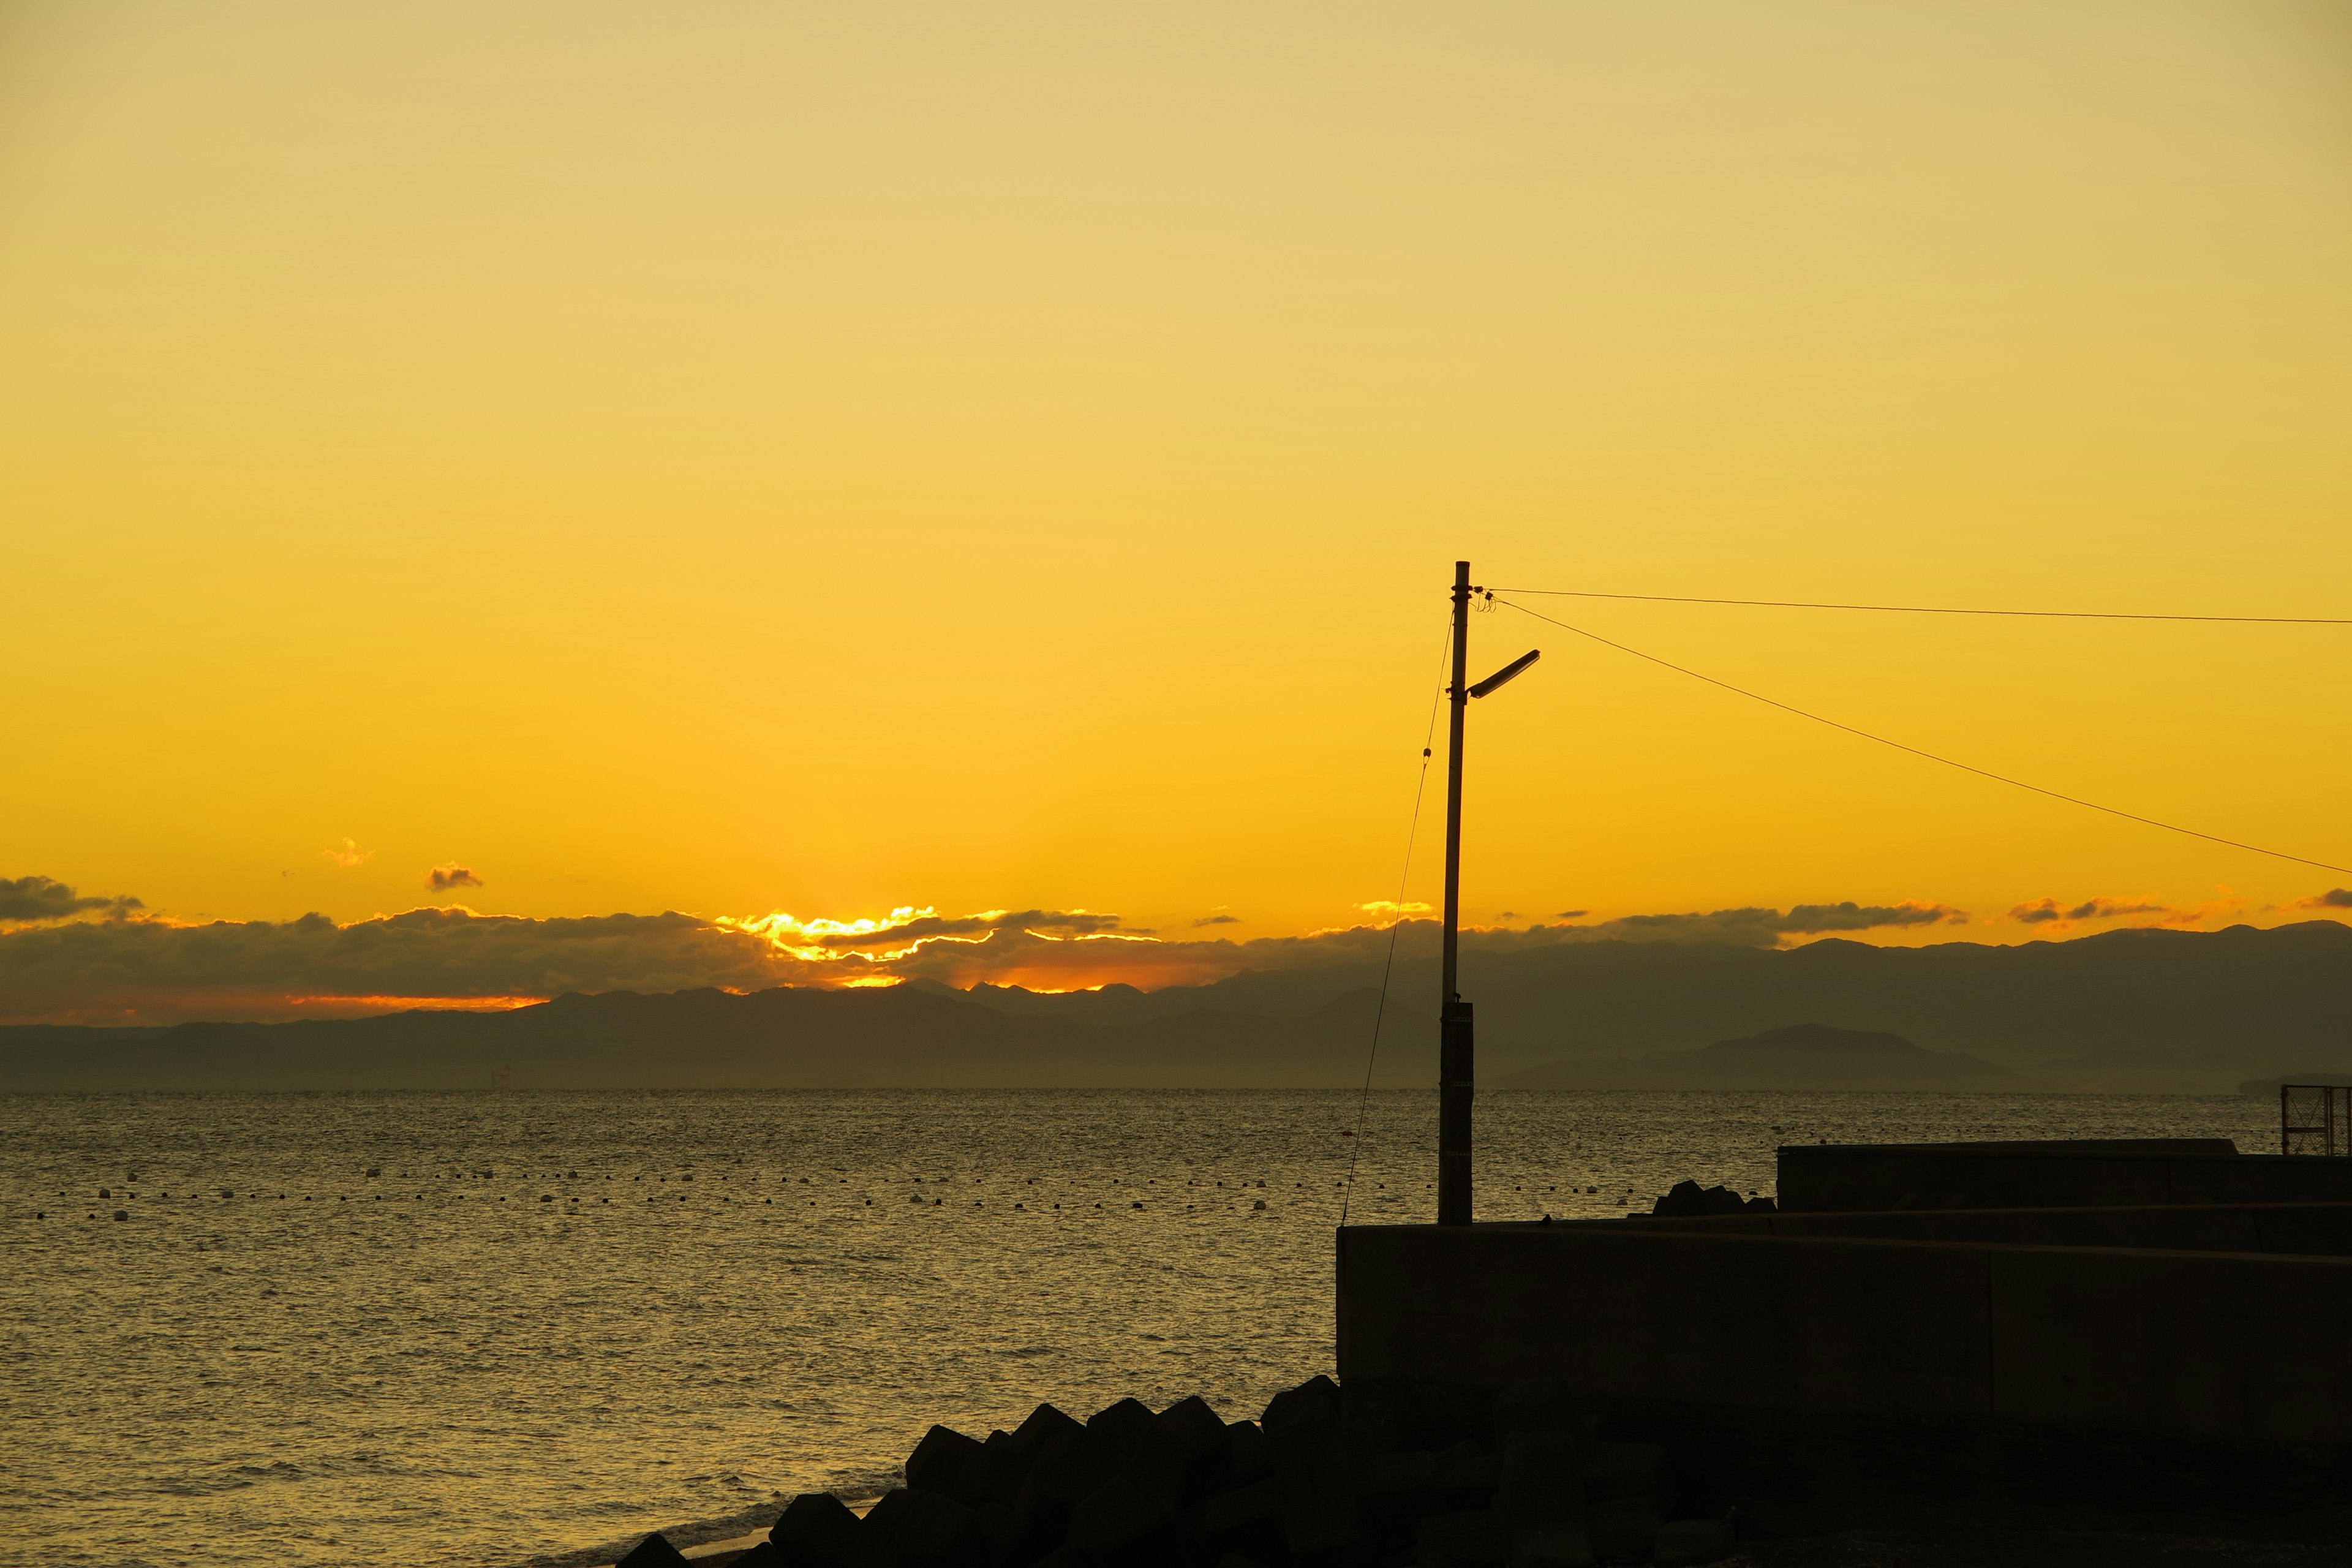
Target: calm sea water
x,y
417,1330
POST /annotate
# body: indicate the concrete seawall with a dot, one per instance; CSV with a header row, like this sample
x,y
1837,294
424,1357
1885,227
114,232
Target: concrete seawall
x,y
2207,1345
2308,1229
1834,1178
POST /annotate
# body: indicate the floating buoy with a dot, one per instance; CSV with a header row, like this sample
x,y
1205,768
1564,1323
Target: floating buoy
x,y
122,1214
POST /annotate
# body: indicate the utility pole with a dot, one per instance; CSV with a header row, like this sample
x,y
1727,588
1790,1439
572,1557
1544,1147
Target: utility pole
x,y
1457,1064
1457,1074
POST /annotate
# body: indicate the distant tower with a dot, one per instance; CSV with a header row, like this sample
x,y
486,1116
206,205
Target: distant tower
x,y
503,1078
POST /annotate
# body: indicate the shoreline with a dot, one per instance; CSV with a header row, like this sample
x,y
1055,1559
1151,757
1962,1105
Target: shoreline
x,y
697,1538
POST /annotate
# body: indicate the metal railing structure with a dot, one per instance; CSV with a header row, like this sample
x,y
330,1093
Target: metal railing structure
x,y
2315,1118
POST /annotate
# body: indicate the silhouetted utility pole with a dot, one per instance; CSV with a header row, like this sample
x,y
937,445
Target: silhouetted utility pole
x,y
1457,1075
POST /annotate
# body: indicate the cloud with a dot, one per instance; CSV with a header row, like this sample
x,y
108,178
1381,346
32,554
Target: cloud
x,y
449,874
1380,907
158,971
1216,921
1851,916
1572,914
147,969
45,898
2050,912
2111,908
349,856
1762,927
2334,899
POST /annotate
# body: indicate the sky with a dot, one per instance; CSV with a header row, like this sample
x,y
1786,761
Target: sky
x,y
785,465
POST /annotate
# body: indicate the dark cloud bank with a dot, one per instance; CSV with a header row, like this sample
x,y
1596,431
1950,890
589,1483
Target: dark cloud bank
x,y
148,971
686,1002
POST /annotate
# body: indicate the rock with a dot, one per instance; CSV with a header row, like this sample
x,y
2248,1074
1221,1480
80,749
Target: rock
x,y
653,1552
1115,1517
1687,1542
817,1530
1723,1200
763,1555
1468,1539
913,1528
1762,1206
939,1461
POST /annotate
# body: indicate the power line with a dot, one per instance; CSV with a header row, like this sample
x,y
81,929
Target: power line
x,y
1388,967
1933,609
1947,762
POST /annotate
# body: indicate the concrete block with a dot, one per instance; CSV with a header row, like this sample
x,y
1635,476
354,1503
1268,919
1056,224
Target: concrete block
x,y
939,1461
915,1528
1467,1468
1317,1519
1473,1539
1129,1421
1689,1542
817,1530
1414,1470
1624,1470
996,1533
1231,1512
1684,1200
1247,1453
1540,1500
995,1474
763,1555
1069,1465
1118,1516
653,1552
1555,1543
1533,1404
1623,1528
1191,1426
1312,1403
1722,1200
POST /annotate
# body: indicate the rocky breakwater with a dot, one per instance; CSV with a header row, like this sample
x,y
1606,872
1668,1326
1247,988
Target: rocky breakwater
x,y
1320,1481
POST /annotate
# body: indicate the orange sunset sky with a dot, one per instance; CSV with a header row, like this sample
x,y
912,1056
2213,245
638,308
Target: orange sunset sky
x,y
570,459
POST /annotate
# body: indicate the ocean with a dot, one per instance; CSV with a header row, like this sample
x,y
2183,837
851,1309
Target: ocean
x,y
404,1330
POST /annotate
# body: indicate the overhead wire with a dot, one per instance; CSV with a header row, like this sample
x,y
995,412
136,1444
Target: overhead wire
x,y
1915,750
1935,609
1396,927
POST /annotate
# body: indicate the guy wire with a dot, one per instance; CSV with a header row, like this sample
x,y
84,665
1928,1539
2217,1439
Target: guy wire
x,y
1934,610
1947,762
1379,1008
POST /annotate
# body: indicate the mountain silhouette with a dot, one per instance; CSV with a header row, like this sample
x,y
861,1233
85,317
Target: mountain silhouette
x,y
2142,1010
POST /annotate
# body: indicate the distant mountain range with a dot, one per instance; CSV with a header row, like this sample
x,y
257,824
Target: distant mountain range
x,y
1803,1056
2125,1011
